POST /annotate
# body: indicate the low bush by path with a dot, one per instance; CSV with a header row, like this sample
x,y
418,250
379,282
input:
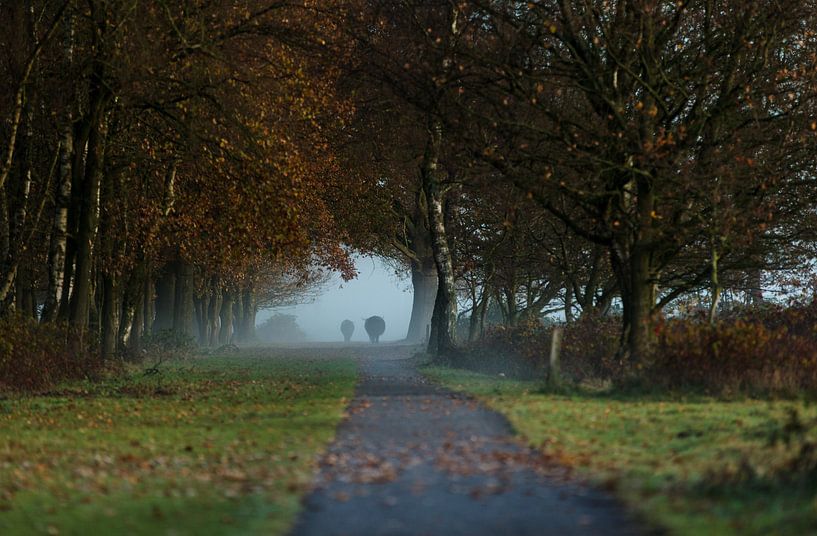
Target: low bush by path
x,y
765,350
220,445
695,465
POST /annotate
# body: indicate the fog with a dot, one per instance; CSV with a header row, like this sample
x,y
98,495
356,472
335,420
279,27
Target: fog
x,y
377,290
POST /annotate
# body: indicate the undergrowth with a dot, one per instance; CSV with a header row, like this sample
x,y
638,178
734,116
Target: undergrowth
x,y
762,351
35,357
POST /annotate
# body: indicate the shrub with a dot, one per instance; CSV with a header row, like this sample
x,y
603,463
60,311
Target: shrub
x,y
798,319
764,350
511,350
168,344
758,353
34,356
281,328
588,349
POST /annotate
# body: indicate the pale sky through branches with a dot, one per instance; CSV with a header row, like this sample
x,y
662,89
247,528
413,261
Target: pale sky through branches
x,y
376,291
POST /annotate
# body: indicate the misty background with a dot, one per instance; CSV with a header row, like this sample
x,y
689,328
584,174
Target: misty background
x,y
377,290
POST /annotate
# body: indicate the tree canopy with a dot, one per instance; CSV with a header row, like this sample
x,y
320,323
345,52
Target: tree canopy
x,y
171,166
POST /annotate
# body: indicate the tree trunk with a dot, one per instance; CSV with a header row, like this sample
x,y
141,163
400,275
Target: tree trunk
x,y
568,304
238,316
57,292
110,316
6,284
634,276
74,209
59,228
5,228
81,295
213,313
7,272
183,321
715,288
483,313
417,239
18,244
201,304
16,197
475,323
149,302
165,299
754,289
632,262
433,342
132,323
226,315
444,318
424,284
19,93
248,303
640,311
24,295
510,300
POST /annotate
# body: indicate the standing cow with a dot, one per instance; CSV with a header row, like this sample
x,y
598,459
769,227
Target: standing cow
x,y
347,327
375,326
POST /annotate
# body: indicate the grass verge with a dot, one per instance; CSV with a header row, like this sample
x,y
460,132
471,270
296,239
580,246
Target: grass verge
x,y
693,465
222,445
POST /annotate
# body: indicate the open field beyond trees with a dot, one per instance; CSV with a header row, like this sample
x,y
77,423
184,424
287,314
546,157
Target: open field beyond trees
x,y
217,445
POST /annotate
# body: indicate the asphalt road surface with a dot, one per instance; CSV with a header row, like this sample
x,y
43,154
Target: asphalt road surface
x,y
416,459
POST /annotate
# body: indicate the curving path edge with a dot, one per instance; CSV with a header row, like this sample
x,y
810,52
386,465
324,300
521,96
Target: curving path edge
x,y
415,459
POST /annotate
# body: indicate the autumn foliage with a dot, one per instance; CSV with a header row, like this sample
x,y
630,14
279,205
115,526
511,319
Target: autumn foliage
x,y
167,167
162,166
34,357
769,350
588,349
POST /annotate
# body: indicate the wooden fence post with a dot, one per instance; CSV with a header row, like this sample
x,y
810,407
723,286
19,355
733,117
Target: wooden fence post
x,y
554,373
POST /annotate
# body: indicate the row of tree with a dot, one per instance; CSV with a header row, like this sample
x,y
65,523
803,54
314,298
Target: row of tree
x,y
165,165
170,165
587,155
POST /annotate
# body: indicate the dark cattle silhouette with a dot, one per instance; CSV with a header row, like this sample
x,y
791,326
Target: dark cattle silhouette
x,y
375,326
347,327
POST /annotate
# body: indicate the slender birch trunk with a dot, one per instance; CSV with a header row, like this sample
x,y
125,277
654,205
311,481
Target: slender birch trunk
x,y
444,318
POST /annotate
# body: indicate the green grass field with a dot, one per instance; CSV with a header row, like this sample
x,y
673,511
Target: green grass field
x,y
220,445
694,465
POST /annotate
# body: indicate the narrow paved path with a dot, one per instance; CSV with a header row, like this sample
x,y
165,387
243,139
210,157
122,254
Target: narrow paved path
x,y
415,459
